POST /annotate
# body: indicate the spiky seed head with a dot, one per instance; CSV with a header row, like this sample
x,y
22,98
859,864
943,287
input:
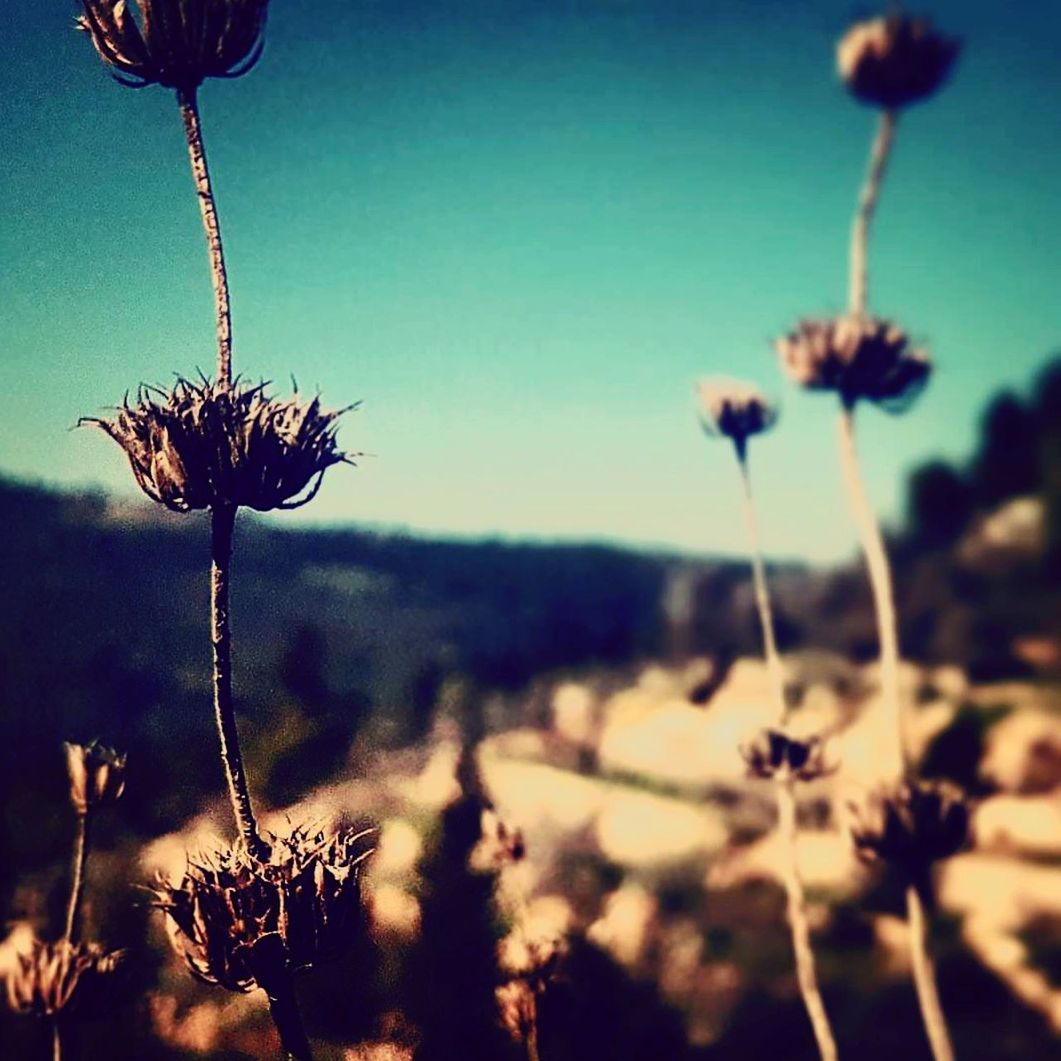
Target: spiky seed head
x,y
912,824
894,61
243,924
175,43
733,409
772,753
97,774
859,357
52,975
205,444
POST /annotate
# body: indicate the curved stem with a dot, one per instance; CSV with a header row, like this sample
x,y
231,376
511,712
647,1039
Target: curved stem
x,y
881,584
762,594
283,1006
925,978
798,926
867,204
222,523
189,108
77,878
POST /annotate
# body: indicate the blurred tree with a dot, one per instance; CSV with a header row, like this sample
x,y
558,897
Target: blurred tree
x,y
939,505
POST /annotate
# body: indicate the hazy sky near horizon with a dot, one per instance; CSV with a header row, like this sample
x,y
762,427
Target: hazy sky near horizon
x,y
519,232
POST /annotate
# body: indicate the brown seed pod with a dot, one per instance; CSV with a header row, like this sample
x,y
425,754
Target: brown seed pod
x,y
175,43
734,409
895,61
97,774
773,754
206,444
912,824
242,924
858,357
52,975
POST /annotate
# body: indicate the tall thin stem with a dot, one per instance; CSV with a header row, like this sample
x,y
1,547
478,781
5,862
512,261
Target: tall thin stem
x,y
283,1006
883,595
867,204
796,909
222,523
77,877
189,107
925,978
798,925
57,1041
762,594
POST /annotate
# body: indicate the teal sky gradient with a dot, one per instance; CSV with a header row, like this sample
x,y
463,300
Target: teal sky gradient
x,y
519,232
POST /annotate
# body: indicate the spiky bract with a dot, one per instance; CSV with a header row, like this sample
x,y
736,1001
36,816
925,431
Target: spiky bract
x,y
243,923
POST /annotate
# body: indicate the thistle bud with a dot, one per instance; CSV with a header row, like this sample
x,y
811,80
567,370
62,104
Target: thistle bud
x,y
245,924
204,444
175,43
773,754
97,774
858,357
734,409
50,977
911,825
892,62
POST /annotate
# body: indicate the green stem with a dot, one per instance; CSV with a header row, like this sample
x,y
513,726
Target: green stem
x,y
222,523
189,107
77,878
925,978
883,594
867,204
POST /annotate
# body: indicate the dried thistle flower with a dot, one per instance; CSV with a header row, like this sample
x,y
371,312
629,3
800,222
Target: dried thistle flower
x,y
527,968
858,357
912,824
733,409
894,61
772,753
242,923
51,976
175,43
97,774
205,444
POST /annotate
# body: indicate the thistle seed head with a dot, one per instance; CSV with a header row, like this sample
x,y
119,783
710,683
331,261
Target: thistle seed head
x,y
175,43
207,444
733,409
858,357
52,975
894,61
773,754
97,774
244,924
912,824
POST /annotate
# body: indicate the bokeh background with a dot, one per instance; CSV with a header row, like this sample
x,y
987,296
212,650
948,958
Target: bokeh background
x,y
520,231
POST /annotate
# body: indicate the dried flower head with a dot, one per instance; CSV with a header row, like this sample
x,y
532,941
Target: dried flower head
x,y
527,969
894,61
207,444
772,753
97,774
734,409
175,43
912,824
242,924
858,357
51,976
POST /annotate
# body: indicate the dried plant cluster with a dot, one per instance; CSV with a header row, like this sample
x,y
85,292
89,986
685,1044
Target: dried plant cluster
x,y
53,975
207,444
773,755
244,924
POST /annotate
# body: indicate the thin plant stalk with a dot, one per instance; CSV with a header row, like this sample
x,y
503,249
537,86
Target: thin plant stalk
x,y
532,1040
77,877
925,977
867,205
189,107
283,1007
796,909
880,579
222,524
57,1041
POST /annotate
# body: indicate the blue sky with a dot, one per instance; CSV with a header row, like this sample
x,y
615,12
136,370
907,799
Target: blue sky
x,y
519,232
